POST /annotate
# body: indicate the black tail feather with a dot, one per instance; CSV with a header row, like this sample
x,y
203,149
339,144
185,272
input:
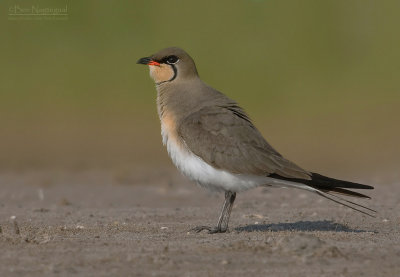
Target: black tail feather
x,y
347,205
321,182
328,188
350,202
324,183
345,192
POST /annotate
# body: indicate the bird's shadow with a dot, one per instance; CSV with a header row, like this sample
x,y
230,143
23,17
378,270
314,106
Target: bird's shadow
x,y
302,226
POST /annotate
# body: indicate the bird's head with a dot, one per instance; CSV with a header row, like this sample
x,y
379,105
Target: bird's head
x,y
170,65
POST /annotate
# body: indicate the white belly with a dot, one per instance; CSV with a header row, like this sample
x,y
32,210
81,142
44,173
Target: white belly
x,y
207,176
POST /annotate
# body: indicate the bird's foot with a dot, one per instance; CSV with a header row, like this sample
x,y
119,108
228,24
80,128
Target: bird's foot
x,y
211,230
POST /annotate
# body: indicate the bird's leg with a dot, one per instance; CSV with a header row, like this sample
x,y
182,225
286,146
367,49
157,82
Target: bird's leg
x,y
223,220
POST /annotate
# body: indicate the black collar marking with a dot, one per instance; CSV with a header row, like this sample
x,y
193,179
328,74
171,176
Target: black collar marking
x,y
173,77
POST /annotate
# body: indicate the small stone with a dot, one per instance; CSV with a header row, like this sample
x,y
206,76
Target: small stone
x,y
16,228
224,262
41,194
64,202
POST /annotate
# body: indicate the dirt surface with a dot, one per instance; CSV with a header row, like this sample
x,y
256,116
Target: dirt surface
x,y
136,223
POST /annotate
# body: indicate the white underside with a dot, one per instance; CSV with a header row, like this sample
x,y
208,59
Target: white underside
x,y
214,179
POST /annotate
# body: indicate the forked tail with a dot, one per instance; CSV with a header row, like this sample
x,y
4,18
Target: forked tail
x,y
328,188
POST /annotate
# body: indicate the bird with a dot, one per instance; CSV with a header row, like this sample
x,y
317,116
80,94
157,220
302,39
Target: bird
x,y
213,142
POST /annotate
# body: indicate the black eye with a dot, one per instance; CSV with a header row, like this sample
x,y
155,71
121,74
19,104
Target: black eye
x,y
172,59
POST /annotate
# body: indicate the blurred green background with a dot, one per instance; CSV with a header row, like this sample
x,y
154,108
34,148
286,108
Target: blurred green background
x,y
319,78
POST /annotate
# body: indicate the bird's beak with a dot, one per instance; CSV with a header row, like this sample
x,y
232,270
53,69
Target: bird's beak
x,y
148,61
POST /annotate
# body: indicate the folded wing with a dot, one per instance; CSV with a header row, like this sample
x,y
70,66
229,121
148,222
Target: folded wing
x,y
224,137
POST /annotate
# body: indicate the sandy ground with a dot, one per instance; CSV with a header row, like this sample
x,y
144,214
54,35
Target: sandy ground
x,y
122,223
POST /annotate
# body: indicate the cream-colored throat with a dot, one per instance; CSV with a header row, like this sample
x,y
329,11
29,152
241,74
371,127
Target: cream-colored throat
x,y
161,73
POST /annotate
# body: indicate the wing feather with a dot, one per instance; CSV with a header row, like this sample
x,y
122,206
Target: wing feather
x,y
224,137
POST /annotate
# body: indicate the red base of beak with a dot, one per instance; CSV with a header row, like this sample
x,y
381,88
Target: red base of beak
x,y
153,63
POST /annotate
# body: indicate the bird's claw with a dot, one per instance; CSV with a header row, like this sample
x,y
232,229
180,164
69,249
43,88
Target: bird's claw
x,y
211,230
